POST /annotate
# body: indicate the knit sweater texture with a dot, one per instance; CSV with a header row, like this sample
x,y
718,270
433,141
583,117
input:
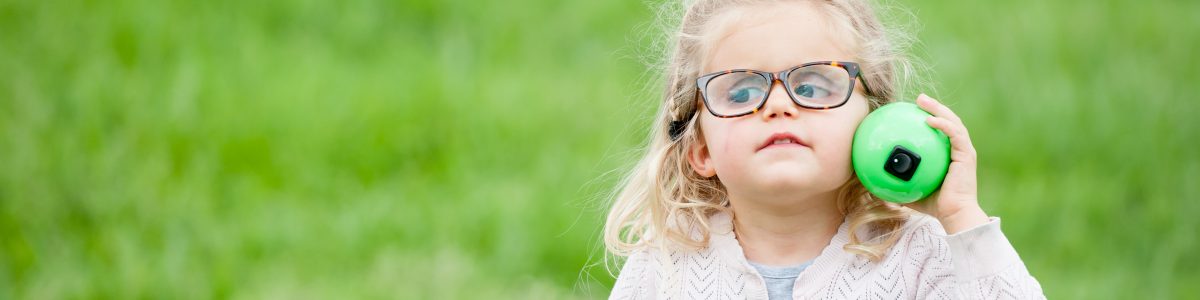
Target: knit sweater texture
x,y
925,263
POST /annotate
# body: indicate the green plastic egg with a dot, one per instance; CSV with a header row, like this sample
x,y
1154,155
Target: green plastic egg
x,y
897,156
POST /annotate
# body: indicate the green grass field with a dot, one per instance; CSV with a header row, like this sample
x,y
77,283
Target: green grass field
x,y
463,149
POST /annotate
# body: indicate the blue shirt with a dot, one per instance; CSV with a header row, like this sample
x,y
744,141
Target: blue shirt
x,y
780,279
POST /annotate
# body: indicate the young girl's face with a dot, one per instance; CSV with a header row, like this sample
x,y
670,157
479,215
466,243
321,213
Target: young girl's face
x,y
773,39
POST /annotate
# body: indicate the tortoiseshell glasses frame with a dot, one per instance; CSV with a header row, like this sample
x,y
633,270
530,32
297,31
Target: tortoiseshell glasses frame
x,y
837,78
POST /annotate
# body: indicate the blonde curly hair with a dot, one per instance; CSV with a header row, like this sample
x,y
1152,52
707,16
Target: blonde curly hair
x,y
661,203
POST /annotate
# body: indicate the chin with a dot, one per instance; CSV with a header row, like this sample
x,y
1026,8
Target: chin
x,y
786,177
789,180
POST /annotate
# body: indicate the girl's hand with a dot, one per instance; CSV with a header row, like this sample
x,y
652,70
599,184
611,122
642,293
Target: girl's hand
x,y
956,203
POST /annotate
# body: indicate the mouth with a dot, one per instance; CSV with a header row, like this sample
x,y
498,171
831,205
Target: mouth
x,y
782,139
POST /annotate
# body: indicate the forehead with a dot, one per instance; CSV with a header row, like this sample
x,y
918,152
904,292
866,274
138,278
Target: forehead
x,y
775,37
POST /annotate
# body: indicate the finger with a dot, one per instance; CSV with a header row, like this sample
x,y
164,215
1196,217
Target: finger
x,y
937,108
961,147
950,128
959,138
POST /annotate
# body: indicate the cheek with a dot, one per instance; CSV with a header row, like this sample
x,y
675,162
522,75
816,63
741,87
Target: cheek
x,y
840,144
722,139
836,134
843,134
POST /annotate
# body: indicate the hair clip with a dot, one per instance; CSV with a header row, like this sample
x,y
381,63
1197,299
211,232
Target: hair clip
x,y
677,128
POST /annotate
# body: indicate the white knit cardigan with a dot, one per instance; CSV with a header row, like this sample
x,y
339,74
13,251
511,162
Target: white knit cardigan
x,y
924,264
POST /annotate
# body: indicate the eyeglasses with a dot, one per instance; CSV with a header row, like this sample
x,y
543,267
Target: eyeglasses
x,y
814,85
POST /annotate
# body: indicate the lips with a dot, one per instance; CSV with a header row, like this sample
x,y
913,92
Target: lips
x,y
782,139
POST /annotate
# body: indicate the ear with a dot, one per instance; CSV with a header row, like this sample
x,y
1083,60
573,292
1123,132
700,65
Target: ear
x,y
700,159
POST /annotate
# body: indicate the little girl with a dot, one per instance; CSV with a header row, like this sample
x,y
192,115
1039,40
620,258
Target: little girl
x,y
746,190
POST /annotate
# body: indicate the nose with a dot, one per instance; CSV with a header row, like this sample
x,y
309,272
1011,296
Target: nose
x,y
779,104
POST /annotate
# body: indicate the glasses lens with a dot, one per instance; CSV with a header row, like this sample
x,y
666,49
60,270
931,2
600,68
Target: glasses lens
x,y
819,85
736,93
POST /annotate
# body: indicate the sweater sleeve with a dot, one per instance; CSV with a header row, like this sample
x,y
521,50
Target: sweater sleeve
x,y
637,279
986,266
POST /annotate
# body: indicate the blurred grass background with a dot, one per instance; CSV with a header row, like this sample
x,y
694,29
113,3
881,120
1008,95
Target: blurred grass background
x,y
462,149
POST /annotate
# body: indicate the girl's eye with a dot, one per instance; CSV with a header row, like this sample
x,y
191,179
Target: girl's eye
x,y
809,90
741,95
811,85
746,89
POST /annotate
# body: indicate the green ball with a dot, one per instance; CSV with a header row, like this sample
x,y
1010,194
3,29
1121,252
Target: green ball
x,y
897,156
